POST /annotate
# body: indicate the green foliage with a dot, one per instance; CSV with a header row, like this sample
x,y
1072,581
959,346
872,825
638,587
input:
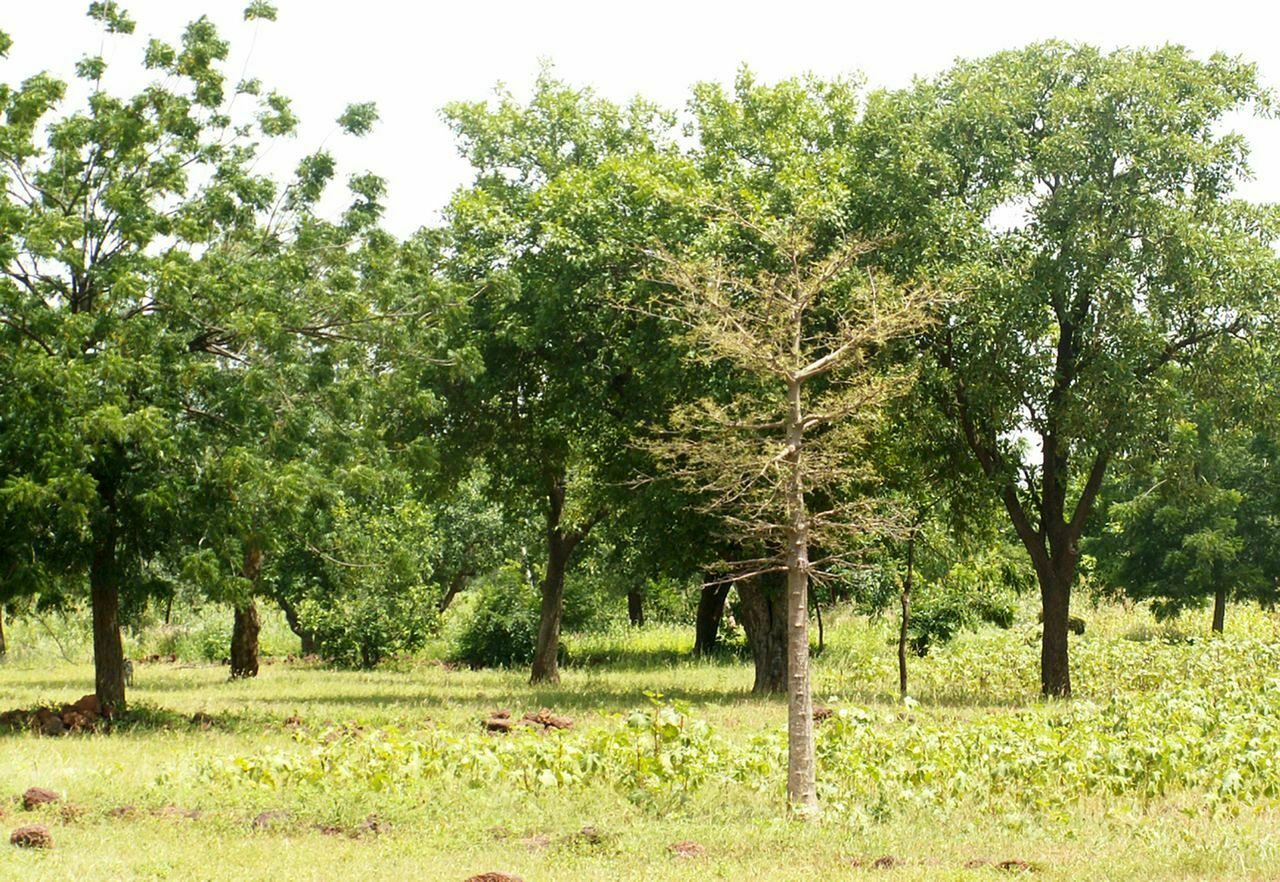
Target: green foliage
x,y
502,628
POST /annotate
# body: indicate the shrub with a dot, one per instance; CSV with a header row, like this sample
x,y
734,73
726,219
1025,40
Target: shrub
x,y
502,630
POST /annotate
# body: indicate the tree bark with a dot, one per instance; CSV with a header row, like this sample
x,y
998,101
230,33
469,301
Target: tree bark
x,y
456,584
546,664
802,792
906,615
1055,599
4,647
1219,610
560,546
244,632
635,608
310,645
104,596
763,608
707,622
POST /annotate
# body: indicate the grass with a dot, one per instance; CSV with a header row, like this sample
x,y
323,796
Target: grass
x,y
450,825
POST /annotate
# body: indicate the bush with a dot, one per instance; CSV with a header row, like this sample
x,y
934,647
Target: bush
x,y
502,629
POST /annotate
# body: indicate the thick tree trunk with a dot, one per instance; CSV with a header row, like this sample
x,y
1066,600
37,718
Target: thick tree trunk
x,y
104,596
707,622
546,666
1055,598
244,641
1219,609
906,615
244,632
635,608
764,619
310,645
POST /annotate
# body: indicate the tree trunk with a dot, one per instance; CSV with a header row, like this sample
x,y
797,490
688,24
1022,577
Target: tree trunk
x,y
906,615
4,648
104,594
1219,610
764,618
707,623
310,645
1055,598
456,584
244,641
546,666
635,608
802,791
244,633
560,546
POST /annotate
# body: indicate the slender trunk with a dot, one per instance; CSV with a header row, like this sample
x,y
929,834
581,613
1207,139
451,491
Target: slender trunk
x,y
244,633
168,608
764,618
635,608
906,615
1219,609
104,594
546,667
310,645
817,614
802,791
707,623
4,648
456,584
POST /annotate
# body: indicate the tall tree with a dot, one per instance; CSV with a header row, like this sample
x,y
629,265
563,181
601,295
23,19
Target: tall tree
x,y
125,228
802,329
551,233
1084,201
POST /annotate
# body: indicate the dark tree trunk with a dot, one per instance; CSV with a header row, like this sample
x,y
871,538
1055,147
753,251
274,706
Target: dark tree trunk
x,y
104,594
456,584
1055,598
546,665
4,648
764,618
710,612
244,641
560,546
906,615
635,608
244,632
310,645
1219,611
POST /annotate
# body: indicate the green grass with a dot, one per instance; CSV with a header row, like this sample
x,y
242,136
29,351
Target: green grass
x,y
895,775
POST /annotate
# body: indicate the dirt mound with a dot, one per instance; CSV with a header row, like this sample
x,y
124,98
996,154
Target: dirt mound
x,y
494,877
35,836
271,819
547,720
1009,865
38,796
822,712
84,715
499,721
686,848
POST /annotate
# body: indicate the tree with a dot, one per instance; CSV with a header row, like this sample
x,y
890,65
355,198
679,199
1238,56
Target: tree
x,y
1083,201
801,329
125,231
550,234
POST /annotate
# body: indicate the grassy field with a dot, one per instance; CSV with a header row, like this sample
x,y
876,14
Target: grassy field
x,y
1166,766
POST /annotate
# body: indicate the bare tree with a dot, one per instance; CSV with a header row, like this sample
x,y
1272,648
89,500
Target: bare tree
x,y
798,328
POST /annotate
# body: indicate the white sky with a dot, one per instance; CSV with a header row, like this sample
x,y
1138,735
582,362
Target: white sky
x,y
412,58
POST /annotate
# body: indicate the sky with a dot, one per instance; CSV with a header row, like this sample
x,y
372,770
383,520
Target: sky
x,y
413,58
